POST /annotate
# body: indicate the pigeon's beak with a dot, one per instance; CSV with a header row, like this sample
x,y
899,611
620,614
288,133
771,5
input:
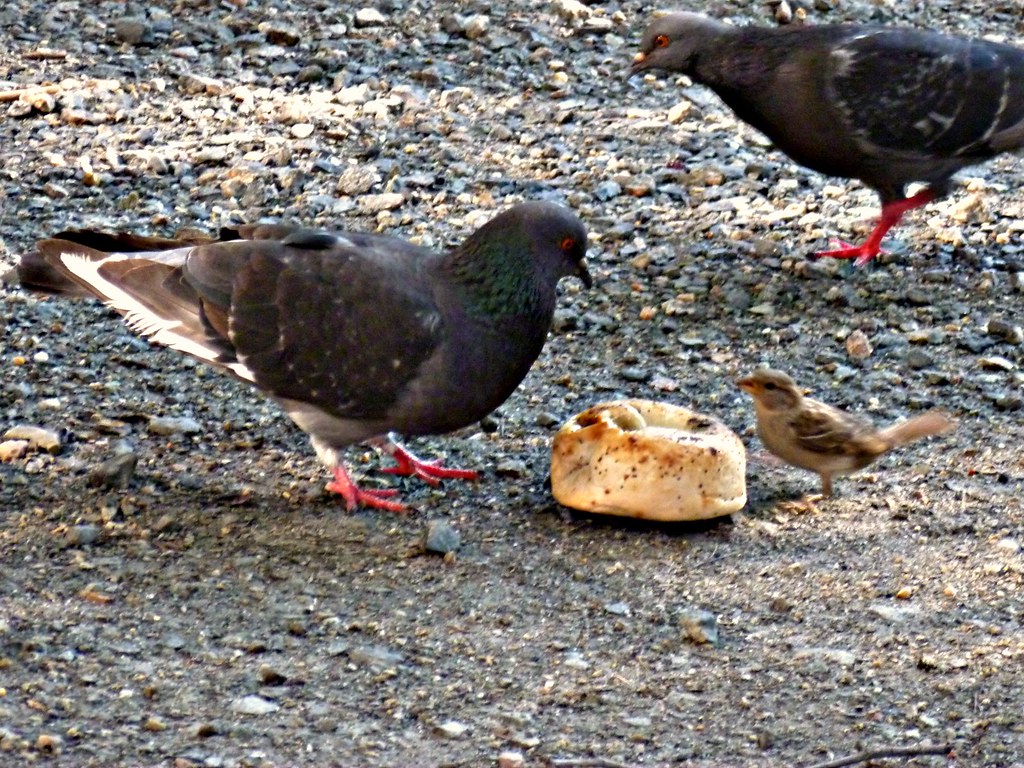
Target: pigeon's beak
x,y
639,64
584,274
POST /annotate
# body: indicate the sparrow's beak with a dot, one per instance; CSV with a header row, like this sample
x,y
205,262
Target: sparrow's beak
x,y
639,64
746,384
584,274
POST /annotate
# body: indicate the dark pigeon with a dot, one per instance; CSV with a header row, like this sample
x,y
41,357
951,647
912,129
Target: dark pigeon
x,y
885,105
356,336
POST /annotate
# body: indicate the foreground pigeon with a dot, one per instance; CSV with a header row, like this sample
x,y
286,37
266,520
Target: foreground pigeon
x,y
355,336
813,435
885,105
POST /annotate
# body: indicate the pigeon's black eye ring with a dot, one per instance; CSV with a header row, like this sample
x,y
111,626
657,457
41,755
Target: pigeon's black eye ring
x,y
568,244
661,41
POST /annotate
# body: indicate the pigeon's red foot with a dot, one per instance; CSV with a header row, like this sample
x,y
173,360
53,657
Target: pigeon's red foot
x,y
429,471
892,212
354,496
843,250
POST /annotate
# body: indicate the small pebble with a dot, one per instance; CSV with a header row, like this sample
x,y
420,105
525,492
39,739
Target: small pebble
x,y
115,472
996,363
512,468
369,17
132,30
547,419
376,656
172,425
165,522
441,538
270,676
1012,334
607,190
253,705
857,345
41,439
386,201
918,359
48,743
476,26
700,627
635,374
83,535
453,729
11,450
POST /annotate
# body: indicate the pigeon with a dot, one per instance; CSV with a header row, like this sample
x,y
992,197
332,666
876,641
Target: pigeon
x,y
355,336
813,435
886,105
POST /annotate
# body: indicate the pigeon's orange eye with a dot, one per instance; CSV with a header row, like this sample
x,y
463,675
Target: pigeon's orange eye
x,y
568,244
661,41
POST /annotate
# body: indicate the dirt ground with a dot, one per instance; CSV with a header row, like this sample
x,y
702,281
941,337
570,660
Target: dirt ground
x,y
222,609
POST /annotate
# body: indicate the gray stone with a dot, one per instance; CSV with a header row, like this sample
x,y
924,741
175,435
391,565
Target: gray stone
x,y
440,537
132,30
369,17
254,705
174,425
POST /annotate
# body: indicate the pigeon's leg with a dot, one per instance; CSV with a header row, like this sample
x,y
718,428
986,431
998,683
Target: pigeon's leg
x,y
892,212
428,471
344,486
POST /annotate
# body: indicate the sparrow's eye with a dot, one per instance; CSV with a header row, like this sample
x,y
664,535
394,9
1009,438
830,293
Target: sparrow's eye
x,y
769,385
568,244
661,41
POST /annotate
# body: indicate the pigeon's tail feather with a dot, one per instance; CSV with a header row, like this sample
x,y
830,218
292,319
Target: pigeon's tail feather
x,y
43,270
925,425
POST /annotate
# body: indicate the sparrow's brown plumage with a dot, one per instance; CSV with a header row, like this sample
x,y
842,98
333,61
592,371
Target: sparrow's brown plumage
x,y
813,435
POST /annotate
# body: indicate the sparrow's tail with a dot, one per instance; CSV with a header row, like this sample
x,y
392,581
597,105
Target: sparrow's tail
x,y
925,425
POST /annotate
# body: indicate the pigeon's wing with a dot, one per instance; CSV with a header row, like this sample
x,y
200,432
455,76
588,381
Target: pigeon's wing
x,y
820,428
315,317
318,319
917,93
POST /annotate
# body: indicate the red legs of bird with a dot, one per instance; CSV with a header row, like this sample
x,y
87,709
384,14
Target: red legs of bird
x,y
429,471
891,213
344,486
407,464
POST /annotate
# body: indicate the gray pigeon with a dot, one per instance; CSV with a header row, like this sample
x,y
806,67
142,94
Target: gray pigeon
x,y
886,105
356,336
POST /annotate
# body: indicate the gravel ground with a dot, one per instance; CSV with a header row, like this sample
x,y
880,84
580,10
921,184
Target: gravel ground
x,y
176,587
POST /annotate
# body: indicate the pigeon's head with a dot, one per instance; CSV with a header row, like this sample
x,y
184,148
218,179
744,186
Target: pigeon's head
x,y
674,41
773,390
533,241
559,240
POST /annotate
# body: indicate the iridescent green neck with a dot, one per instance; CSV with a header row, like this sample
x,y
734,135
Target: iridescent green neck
x,y
496,277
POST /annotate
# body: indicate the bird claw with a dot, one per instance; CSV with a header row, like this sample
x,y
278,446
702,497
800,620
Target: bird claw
x,y
378,498
861,254
407,463
430,472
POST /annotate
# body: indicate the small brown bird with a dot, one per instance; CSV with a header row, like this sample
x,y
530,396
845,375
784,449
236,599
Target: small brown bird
x,y
813,435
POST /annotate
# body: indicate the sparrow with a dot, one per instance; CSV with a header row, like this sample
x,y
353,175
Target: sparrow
x,y
813,435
